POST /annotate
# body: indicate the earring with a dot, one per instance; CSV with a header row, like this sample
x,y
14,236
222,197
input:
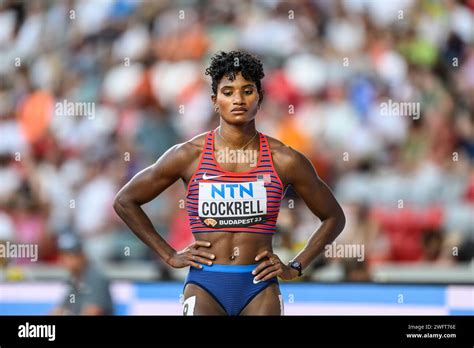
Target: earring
x,y
216,109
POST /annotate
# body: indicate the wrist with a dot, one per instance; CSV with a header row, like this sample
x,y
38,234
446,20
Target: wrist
x,y
296,267
169,255
293,273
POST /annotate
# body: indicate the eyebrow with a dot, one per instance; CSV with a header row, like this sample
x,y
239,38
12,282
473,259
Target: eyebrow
x,y
244,86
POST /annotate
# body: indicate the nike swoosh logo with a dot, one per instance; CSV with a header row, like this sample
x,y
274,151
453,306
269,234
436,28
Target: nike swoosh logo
x,y
256,281
207,177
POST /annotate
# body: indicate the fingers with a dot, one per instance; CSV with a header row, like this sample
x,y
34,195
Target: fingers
x,y
202,243
266,270
200,256
263,254
200,259
272,263
204,254
193,257
195,265
276,273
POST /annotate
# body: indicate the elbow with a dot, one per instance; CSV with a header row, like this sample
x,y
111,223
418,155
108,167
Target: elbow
x,y
341,220
119,203
124,201
337,221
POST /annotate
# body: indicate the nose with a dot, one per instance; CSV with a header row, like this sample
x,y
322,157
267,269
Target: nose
x,y
238,99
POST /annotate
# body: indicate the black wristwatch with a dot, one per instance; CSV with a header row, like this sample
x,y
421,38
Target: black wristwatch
x,y
295,264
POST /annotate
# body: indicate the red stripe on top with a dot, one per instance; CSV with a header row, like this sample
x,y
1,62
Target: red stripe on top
x,y
209,165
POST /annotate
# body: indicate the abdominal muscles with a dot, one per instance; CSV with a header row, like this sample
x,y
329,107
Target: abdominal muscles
x,y
235,248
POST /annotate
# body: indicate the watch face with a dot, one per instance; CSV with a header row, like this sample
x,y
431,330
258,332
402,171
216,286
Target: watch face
x,y
296,264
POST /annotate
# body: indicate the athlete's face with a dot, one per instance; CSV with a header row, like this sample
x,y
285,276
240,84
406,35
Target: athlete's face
x,y
237,100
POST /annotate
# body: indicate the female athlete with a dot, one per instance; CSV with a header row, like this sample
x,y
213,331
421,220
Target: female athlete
x,y
232,201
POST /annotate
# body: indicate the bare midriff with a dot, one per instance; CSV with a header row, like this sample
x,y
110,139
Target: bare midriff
x,y
234,248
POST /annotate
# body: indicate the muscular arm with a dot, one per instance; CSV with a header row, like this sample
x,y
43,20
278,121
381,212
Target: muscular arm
x,y
300,173
144,187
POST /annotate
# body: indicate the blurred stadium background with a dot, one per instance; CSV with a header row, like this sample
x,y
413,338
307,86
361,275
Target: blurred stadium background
x,y
93,91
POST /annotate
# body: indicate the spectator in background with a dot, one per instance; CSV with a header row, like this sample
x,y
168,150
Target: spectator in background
x,y
6,235
88,292
329,70
93,211
432,241
466,251
356,271
363,229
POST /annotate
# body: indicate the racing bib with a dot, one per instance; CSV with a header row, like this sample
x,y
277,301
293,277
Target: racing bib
x,y
228,204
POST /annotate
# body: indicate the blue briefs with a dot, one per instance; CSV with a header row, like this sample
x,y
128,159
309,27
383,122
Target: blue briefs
x,y
232,286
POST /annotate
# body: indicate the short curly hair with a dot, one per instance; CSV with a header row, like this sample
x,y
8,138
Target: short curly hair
x,y
230,63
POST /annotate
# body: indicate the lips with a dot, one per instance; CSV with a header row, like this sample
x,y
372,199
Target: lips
x,y
239,109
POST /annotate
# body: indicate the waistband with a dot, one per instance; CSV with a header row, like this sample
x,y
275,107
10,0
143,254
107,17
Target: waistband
x,y
228,268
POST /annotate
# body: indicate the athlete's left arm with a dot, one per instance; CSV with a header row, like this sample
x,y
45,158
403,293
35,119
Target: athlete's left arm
x,y
301,174
296,170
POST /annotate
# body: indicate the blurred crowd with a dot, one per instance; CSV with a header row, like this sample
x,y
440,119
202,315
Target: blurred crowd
x,y
91,92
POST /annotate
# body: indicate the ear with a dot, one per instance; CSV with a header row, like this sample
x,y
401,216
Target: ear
x,y
260,98
214,105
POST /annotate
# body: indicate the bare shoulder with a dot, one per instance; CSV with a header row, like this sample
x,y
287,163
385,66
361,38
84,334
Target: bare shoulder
x,y
184,157
189,150
284,155
287,161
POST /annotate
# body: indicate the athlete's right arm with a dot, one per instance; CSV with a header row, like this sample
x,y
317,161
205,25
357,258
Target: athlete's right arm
x,y
147,185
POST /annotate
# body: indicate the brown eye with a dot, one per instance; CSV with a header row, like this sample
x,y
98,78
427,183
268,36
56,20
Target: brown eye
x,y
227,93
248,91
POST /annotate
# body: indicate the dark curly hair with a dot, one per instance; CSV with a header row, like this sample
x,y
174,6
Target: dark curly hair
x,y
230,63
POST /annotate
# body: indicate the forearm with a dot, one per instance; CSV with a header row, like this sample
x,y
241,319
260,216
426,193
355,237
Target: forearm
x,y
136,219
324,235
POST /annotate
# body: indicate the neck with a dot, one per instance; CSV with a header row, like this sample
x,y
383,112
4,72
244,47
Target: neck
x,y
237,136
